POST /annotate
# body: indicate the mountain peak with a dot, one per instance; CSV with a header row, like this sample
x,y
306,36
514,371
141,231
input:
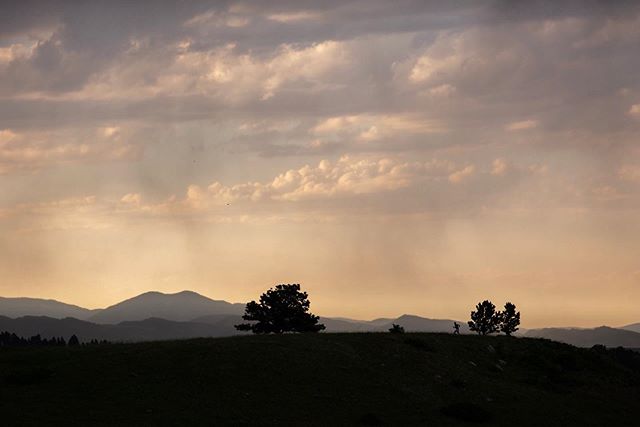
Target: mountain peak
x,y
158,294
148,293
410,317
180,306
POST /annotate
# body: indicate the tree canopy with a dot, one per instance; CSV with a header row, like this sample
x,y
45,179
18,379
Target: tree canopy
x,y
281,309
74,340
485,320
509,319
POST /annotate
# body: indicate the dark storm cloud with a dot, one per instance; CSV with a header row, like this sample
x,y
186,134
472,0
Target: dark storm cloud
x,y
566,69
514,11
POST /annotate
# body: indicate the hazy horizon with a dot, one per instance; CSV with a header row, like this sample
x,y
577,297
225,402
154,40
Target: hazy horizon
x,y
323,315
407,157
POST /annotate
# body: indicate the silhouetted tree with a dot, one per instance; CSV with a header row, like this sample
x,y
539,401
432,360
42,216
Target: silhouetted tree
x,y
73,340
8,339
485,320
509,319
396,329
283,309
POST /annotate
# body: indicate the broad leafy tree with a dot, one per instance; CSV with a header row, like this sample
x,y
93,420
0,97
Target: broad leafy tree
x,y
281,309
485,319
510,319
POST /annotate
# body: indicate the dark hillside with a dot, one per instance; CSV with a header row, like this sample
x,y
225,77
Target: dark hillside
x,y
323,379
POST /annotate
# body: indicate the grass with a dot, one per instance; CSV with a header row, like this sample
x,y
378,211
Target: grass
x,y
322,379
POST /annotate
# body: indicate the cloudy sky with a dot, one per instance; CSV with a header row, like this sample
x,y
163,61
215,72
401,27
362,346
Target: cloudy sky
x,y
392,158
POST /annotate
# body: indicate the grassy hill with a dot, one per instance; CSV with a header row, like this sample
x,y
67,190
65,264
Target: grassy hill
x,y
322,379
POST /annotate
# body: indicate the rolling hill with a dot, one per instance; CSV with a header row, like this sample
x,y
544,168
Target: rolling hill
x,y
410,323
217,325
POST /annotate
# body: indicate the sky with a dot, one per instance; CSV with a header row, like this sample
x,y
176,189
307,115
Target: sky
x,y
392,157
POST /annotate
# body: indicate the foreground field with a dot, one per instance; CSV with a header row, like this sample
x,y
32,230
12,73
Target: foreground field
x,y
322,379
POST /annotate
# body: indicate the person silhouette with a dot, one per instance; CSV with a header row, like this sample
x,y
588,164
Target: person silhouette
x,y
456,328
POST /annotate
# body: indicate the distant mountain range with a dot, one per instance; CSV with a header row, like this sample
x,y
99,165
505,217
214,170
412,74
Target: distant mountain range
x,y
409,322
610,337
187,314
17,307
634,327
183,306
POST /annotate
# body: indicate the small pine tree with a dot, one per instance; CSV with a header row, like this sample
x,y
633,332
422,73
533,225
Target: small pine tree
x,y
510,319
396,329
283,309
485,319
73,340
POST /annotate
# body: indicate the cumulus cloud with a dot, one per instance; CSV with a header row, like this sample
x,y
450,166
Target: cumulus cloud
x,y
345,177
521,125
462,174
499,167
334,187
131,198
368,127
234,76
32,151
629,173
294,16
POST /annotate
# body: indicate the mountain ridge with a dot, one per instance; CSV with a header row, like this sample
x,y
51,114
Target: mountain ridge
x,y
634,327
602,335
21,306
187,314
180,306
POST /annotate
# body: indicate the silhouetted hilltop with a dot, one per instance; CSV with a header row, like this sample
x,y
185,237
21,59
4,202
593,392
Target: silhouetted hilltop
x,y
190,315
410,322
604,335
18,307
214,325
181,306
421,324
347,325
634,327
323,379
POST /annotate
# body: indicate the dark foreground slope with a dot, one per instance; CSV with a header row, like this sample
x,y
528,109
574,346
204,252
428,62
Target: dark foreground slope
x,y
323,379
